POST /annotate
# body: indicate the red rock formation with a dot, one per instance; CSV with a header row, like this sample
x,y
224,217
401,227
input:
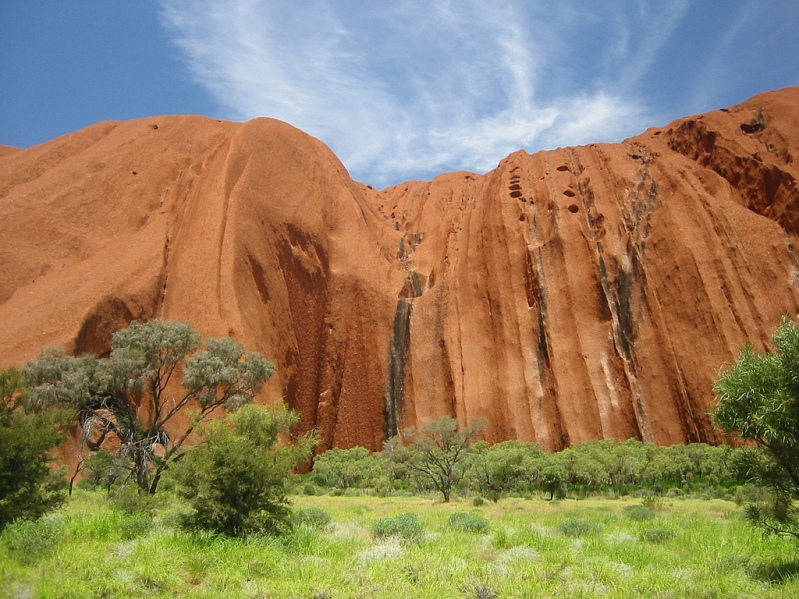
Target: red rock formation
x,y
567,295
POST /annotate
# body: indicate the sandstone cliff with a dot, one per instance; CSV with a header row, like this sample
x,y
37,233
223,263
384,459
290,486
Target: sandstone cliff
x,y
567,295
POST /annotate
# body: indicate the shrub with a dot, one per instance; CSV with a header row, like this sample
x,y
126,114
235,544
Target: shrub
x,y
129,500
125,397
28,486
576,527
757,402
468,522
30,540
500,540
313,517
657,535
654,503
136,526
478,501
404,526
484,591
236,481
750,494
311,490
639,513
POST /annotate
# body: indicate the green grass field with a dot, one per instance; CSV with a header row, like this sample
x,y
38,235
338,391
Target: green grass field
x,y
530,548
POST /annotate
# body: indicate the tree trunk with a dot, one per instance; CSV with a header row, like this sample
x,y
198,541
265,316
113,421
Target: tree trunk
x,y
140,470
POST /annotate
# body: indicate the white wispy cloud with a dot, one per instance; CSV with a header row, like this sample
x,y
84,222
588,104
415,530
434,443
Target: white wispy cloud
x,y
408,89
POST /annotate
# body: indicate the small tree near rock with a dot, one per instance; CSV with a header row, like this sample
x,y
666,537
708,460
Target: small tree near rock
x,y
28,486
236,480
132,400
758,402
437,453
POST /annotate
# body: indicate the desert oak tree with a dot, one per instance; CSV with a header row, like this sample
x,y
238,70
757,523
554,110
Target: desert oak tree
x,y
132,398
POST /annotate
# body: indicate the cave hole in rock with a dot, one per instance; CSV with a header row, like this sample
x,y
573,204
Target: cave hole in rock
x,y
569,193
753,127
573,208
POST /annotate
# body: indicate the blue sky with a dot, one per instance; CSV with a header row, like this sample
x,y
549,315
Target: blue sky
x,y
398,89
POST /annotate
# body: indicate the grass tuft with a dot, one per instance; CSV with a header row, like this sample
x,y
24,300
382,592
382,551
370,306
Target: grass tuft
x,y
657,535
468,522
577,527
639,513
404,526
313,517
32,540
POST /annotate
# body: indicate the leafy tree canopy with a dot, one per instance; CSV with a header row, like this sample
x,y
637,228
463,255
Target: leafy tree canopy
x,y
437,452
28,486
758,401
155,371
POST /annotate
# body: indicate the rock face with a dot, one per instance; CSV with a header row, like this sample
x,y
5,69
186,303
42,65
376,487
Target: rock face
x,y
580,293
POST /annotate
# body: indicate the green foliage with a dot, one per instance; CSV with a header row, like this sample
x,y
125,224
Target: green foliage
x,y
137,526
639,513
132,397
129,499
714,554
312,517
653,503
484,591
506,467
28,486
236,481
468,522
584,467
103,470
553,481
32,540
657,535
758,401
13,391
353,468
438,454
406,527
577,527
501,539
515,468
750,494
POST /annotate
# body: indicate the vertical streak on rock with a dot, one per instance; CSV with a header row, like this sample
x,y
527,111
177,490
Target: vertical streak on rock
x,y
629,284
395,387
538,291
164,271
618,297
596,233
304,266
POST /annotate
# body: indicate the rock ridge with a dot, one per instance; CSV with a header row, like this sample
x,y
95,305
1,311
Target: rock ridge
x,y
573,294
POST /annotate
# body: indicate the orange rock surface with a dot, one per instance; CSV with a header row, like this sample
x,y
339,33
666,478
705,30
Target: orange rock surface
x,y
568,295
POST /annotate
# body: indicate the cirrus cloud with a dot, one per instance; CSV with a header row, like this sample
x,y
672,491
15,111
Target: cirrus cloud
x,y
409,89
